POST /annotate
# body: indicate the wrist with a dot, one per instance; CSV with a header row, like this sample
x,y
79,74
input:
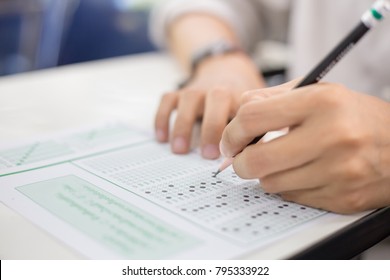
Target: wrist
x,y
212,52
237,68
216,49
238,60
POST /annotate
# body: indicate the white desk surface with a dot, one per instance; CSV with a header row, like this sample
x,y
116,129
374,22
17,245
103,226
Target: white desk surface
x,y
127,89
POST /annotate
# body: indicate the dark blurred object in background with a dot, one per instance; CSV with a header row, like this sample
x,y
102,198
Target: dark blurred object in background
x,y
36,34
20,32
102,28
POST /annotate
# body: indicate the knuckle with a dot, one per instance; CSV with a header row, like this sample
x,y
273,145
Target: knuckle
x,y
346,135
218,92
211,135
191,95
354,170
354,201
211,125
246,97
169,96
213,129
266,93
183,123
327,95
251,95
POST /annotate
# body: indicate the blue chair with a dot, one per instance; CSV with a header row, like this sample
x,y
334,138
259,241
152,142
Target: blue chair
x,y
106,28
31,32
38,34
56,19
19,35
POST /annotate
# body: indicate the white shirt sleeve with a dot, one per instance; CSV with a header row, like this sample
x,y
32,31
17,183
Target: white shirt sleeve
x,y
242,16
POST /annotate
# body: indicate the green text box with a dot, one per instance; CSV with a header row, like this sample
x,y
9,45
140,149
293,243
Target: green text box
x,y
111,221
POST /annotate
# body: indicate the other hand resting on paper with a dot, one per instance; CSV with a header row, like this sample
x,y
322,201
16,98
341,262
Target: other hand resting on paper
x,y
215,91
336,155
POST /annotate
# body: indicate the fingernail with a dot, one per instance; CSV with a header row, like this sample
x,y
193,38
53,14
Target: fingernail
x,y
222,149
161,136
179,145
210,151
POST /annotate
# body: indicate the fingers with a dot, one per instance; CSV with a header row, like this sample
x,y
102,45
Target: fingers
x,y
337,198
216,115
308,176
167,105
342,198
281,154
315,197
188,108
258,117
374,195
190,104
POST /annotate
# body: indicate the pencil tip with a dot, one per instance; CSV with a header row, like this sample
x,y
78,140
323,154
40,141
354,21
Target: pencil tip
x,y
216,173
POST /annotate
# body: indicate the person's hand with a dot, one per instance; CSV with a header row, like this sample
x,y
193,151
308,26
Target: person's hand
x,y
213,95
336,155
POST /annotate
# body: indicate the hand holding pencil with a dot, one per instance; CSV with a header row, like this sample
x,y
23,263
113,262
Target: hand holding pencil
x,y
336,155
368,20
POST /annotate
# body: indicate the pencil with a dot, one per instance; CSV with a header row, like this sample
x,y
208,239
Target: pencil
x,y
368,20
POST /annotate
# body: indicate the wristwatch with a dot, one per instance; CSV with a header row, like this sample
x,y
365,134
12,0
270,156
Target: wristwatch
x,y
217,48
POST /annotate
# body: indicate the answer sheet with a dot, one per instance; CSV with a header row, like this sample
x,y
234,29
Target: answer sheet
x,y
112,192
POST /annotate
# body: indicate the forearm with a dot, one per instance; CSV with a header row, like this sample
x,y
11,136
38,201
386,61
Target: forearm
x,y
191,32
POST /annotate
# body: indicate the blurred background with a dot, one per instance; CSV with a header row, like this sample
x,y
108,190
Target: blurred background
x,y
37,34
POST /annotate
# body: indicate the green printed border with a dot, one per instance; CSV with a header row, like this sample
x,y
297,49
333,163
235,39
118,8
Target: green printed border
x,y
143,142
